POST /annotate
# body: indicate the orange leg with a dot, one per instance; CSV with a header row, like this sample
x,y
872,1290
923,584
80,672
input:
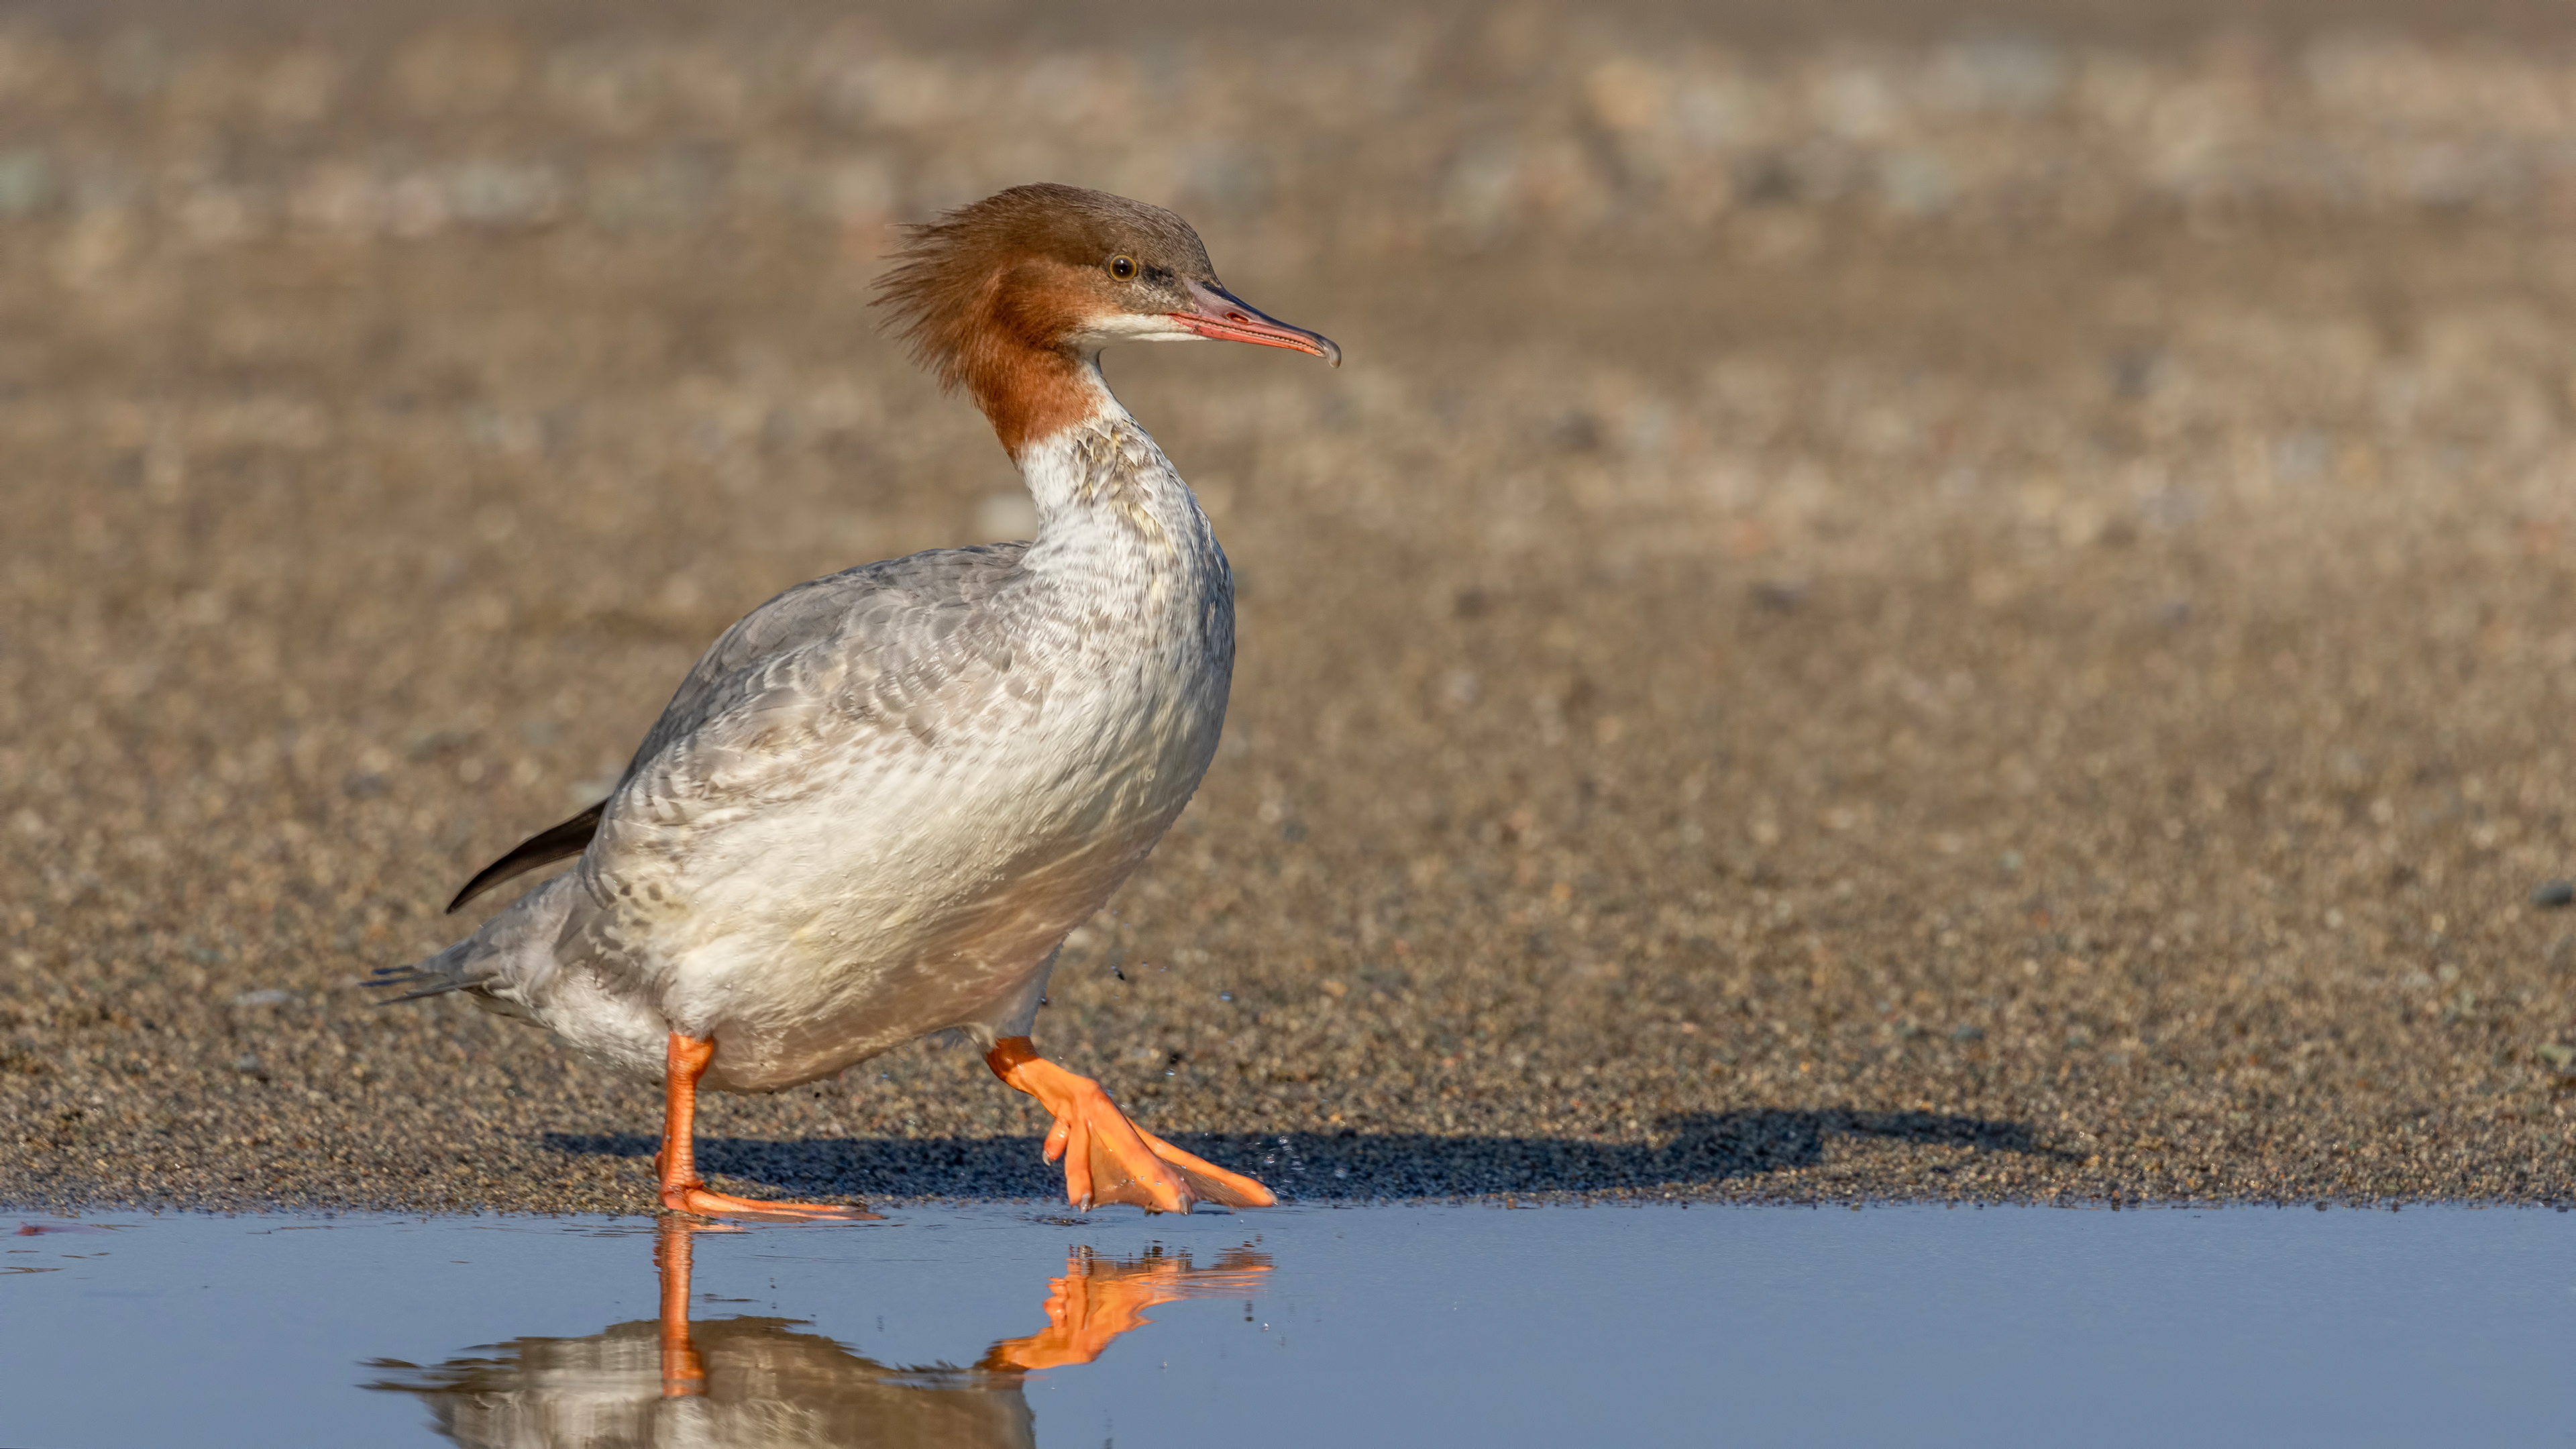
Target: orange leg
x,y
1108,1158
683,1191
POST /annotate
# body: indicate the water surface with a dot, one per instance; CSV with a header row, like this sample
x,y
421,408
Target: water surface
x,y
997,1325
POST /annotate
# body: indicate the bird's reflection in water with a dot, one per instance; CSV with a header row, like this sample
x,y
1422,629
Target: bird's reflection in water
x,y
768,1381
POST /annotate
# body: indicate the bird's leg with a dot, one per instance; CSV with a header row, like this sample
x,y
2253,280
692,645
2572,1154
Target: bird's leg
x,y
683,1191
1106,1157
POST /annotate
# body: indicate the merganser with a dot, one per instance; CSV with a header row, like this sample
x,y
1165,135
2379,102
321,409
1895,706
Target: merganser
x,y
879,803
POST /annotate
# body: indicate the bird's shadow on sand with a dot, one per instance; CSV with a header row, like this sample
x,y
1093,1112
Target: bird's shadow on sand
x,y
1697,1149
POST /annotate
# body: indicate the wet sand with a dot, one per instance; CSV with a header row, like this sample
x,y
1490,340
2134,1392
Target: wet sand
x,y
1981,619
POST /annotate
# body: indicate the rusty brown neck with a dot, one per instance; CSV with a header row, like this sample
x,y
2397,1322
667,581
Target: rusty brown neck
x,y
1030,393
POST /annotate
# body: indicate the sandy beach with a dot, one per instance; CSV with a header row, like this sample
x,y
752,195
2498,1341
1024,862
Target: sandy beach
x,y
1938,612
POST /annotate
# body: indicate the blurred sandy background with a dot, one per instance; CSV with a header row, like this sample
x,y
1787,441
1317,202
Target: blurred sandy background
x,y
1896,599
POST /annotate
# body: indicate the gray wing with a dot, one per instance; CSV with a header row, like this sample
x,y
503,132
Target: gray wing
x,y
875,645
838,678
885,611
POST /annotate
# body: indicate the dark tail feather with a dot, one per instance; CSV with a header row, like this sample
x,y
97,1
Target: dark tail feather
x,y
543,848
425,978
461,967
422,983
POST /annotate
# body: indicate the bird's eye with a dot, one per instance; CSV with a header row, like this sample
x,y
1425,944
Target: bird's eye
x,y
1122,267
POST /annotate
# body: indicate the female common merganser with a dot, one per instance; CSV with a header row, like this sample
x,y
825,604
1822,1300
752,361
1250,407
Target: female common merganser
x,y
879,803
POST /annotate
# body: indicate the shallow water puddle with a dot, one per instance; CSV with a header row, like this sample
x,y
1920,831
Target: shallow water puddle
x,y
994,1325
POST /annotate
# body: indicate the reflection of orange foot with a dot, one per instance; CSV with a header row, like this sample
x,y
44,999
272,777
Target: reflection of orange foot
x,y
1098,1299
1108,1158
684,1370
683,1191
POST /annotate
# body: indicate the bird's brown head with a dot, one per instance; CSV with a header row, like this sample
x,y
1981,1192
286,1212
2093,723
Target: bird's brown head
x,y
1011,297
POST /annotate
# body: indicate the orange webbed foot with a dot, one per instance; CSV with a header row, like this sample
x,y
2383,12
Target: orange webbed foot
x,y
1113,1180
697,1199
1108,1158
